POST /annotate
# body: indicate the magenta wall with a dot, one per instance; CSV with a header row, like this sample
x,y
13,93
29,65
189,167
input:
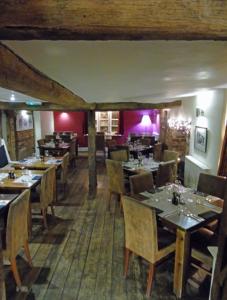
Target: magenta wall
x,y
75,121
132,123
71,121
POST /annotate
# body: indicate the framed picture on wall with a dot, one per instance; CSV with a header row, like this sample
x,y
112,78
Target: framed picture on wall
x,y
200,142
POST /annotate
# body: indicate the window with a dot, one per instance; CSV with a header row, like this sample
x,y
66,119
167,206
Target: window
x,y
107,121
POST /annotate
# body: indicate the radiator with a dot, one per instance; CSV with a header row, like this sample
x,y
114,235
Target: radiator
x,y
192,169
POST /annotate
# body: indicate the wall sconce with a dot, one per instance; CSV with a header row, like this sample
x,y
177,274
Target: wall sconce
x,y
199,112
146,121
180,125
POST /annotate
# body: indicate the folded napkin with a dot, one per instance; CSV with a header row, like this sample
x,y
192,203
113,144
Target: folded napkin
x,y
3,175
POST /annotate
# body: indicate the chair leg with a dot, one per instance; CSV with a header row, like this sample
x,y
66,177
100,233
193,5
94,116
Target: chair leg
x,y
109,200
150,280
121,206
15,272
44,214
27,253
127,257
52,209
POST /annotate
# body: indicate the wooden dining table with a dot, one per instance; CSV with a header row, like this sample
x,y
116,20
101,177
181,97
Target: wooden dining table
x,y
196,212
148,165
33,163
54,149
22,180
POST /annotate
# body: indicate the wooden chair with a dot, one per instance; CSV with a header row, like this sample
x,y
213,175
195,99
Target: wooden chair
x,y
116,179
171,155
64,171
100,143
146,140
165,173
72,153
119,155
141,182
49,137
46,196
158,152
144,238
17,233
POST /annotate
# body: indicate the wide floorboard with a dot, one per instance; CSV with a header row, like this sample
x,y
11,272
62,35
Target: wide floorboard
x,y
81,255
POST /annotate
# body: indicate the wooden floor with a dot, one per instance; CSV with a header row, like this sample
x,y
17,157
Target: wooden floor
x,y
81,255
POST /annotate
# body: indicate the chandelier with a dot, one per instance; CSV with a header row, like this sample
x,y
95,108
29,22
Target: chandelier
x,y
180,125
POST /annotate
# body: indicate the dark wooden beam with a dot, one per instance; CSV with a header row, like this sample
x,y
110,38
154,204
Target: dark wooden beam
x,y
94,106
113,19
18,75
11,133
0,127
136,105
92,155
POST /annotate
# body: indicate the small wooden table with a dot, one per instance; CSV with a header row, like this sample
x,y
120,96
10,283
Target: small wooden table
x,y
201,211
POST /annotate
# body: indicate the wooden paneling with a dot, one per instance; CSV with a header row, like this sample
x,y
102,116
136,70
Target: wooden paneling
x,y
114,19
25,143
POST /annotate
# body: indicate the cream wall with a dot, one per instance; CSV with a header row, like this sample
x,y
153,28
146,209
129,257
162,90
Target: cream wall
x,y
214,105
47,122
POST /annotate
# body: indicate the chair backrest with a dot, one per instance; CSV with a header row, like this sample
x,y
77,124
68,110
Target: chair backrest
x,y
171,155
111,143
41,142
212,185
64,167
158,152
72,149
49,137
146,141
165,173
140,229
47,187
141,182
115,176
17,224
100,142
120,155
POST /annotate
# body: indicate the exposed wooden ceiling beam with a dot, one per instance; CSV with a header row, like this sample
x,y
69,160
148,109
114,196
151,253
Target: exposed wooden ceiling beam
x,y
113,19
95,106
136,105
18,75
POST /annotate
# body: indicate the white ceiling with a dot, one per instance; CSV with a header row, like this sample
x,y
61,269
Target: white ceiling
x,y
5,96
146,71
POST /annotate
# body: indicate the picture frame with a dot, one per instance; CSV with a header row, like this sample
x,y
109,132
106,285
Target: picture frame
x,y
200,140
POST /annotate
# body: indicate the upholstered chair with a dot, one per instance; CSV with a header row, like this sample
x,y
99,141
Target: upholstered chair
x,y
141,182
119,155
158,152
116,179
207,235
144,238
46,196
165,173
17,233
171,155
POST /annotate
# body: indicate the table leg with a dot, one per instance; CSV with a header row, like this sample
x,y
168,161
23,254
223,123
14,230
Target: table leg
x,y
181,262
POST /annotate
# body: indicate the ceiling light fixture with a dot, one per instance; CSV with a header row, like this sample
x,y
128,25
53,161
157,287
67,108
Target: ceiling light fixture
x,y
12,98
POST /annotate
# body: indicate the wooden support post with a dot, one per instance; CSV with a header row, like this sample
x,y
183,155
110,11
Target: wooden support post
x,y
11,134
0,123
92,155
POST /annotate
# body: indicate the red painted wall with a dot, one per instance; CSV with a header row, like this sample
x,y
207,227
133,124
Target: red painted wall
x,y
75,121
71,121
